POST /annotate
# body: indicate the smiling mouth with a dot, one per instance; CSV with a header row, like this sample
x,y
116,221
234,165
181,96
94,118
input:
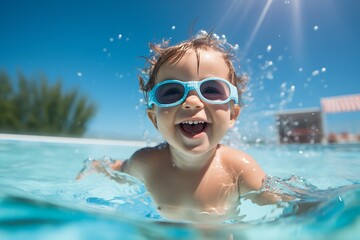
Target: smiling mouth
x,y
193,127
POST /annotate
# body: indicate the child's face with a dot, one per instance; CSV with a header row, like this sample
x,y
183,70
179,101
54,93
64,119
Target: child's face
x,y
213,119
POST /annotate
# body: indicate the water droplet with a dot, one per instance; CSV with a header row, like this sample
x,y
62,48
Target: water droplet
x,y
173,28
315,72
216,36
269,76
316,28
323,69
268,48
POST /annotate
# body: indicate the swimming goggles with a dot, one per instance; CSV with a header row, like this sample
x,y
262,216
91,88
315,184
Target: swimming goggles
x,y
212,90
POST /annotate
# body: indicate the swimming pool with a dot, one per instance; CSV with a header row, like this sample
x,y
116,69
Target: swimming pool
x,y
40,198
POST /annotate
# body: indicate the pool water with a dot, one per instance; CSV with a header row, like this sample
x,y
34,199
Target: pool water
x,y
40,198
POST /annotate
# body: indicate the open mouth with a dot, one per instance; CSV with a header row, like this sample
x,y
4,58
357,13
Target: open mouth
x,y
193,127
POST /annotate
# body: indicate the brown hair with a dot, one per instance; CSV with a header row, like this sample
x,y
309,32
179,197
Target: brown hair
x,y
162,53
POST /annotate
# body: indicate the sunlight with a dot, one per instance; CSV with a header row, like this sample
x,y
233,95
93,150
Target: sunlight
x,y
258,24
297,33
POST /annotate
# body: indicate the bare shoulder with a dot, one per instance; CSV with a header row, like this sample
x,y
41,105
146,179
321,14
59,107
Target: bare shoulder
x,y
142,161
244,167
236,158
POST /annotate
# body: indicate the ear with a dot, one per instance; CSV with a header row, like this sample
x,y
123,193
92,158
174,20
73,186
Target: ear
x,y
235,111
152,116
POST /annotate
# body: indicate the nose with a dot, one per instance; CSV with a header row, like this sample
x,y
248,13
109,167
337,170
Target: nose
x,y
192,101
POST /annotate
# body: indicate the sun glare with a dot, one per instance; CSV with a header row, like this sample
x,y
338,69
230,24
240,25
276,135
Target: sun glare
x,y
258,24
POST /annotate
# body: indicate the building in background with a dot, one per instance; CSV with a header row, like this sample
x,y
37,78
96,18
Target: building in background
x,y
308,126
300,126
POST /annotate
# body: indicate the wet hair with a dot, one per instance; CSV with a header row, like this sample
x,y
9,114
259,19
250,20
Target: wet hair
x,y
162,53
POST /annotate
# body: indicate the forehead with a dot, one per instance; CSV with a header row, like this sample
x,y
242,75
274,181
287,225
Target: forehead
x,y
195,65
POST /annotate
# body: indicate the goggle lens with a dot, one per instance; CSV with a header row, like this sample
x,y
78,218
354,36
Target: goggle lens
x,y
215,90
212,90
169,93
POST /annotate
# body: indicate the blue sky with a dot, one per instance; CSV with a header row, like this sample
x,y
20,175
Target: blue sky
x,y
294,51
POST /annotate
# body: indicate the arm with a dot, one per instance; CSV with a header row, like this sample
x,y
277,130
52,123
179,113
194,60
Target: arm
x,y
251,178
135,166
104,166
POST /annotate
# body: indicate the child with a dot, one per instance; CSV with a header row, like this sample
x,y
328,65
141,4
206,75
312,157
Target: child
x,y
192,94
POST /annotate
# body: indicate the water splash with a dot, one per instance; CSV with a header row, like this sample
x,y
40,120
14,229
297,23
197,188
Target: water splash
x,y
295,196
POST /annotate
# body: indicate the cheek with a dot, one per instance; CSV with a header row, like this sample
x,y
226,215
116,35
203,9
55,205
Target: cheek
x,y
223,112
164,116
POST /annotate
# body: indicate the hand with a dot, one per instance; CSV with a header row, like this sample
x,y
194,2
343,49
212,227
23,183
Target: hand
x,y
105,166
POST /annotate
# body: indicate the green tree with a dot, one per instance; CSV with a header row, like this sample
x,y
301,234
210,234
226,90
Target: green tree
x,y
35,107
7,108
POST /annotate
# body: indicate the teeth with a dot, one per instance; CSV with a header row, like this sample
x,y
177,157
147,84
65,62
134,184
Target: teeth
x,y
192,122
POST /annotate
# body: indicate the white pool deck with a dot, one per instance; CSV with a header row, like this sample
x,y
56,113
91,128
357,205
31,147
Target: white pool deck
x,y
37,138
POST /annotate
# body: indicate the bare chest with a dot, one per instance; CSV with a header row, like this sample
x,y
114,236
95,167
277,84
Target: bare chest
x,y
184,195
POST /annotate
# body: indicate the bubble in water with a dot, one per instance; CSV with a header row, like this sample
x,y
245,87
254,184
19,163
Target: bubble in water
x,y
300,69
104,49
79,74
268,48
120,36
173,28
316,28
111,39
323,69
236,47
127,39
